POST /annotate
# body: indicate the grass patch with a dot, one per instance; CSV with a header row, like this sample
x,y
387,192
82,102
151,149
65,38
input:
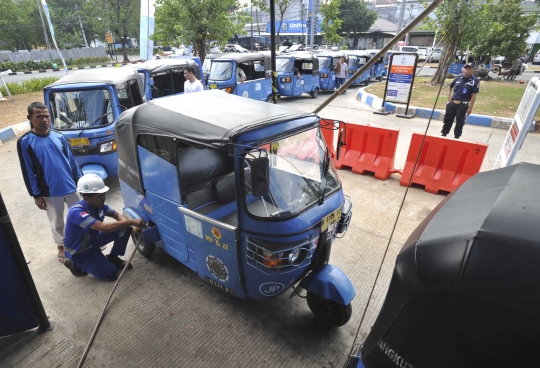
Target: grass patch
x,y
496,98
28,85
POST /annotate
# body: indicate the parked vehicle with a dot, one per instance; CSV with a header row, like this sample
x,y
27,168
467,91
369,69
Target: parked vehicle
x,y
408,49
423,53
536,59
357,59
435,56
207,64
327,64
234,48
257,68
244,208
295,47
85,107
165,77
289,84
377,70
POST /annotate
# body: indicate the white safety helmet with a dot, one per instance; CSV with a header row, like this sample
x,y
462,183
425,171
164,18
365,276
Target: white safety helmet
x,y
91,183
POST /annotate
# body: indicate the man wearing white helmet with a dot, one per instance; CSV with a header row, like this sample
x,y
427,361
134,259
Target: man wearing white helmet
x,y
86,232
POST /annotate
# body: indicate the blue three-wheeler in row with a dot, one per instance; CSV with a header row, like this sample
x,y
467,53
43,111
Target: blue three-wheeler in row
x,y
85,106
357,60
226,195
165,77
227,72
298,73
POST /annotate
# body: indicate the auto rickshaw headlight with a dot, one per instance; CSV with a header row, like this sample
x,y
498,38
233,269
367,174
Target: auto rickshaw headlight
x,y
286,79
283,259
229,90
106,147
324,75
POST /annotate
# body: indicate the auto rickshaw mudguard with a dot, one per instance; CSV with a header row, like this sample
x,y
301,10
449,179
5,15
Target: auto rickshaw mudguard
x,y
96,169
330,283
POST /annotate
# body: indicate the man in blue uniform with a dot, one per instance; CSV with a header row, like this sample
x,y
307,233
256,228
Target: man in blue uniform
x,y
49,170
86,232
460,100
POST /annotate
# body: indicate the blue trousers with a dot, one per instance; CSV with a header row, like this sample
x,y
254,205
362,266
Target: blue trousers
x,y
94,262
339,82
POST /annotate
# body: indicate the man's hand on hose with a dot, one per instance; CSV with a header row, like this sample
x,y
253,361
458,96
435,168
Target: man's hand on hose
x,y
137,225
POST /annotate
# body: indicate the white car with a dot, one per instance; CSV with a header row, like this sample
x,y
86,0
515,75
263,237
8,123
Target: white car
x,y
234,48
422,53
435,56
536,59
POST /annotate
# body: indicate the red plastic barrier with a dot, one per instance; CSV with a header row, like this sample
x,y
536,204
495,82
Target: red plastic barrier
x,y
444,164
327,129
369,148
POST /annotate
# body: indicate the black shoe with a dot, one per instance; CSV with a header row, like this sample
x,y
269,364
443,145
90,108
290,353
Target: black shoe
x,y
76,271
119,263
456,137
443,135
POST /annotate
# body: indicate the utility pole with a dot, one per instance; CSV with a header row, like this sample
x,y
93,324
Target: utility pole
x,y
80,23
251,9
400,20
314,10
273,48
44,30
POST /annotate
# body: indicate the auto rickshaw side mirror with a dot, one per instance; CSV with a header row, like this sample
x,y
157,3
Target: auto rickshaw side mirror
x,y
260,176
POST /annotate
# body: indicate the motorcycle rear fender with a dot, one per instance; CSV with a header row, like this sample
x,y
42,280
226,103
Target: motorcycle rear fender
x,y
330,283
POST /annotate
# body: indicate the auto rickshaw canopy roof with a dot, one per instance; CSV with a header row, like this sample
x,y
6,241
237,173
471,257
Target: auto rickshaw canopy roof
x,y
156,66
246,57
210,118
115,76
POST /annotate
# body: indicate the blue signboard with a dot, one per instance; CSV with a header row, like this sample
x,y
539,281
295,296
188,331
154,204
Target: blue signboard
x,y
294,26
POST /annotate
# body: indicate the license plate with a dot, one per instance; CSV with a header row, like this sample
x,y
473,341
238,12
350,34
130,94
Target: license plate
x,y
332,218
213,86
75,142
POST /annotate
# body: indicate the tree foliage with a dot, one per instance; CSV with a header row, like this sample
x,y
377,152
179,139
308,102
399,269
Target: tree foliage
x,y
198,22
487,28
355,16
122,17
331,22
281,8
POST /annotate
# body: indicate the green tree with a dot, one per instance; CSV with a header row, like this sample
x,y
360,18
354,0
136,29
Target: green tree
x,y
260,5
331,22
355,17
198,22
487,28
122,17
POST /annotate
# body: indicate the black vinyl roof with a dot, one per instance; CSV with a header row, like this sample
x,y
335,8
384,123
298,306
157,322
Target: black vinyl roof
x,y
210,118
115,76
156,66
245,57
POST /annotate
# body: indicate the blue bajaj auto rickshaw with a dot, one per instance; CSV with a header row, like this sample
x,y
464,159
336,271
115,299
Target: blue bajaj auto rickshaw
x,y
377,70
85,106
207,64
239,208
165,77
357,59
255,66
327,66
289,84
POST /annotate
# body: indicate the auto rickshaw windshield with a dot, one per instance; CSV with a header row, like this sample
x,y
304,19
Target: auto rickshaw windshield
x,y
297,166
284,65
324,63
353,61
221,70
81,109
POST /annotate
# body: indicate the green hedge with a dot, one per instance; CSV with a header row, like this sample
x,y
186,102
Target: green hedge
x,y
29,85
24,66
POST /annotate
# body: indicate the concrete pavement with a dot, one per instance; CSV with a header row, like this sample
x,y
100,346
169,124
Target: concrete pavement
x,y
163,315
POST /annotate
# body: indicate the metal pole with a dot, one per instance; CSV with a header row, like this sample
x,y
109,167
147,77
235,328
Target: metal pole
x,y
82,29
44,30
401,16
7,89
314,10
273,48
251,9
381,53
11,236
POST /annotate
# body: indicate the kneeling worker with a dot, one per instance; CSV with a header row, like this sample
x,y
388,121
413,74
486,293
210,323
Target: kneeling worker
x,y
86,232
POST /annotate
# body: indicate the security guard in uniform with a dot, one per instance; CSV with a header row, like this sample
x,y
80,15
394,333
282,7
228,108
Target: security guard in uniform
x,y
460,100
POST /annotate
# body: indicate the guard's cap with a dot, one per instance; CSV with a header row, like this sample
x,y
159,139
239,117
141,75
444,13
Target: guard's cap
x,y
470,65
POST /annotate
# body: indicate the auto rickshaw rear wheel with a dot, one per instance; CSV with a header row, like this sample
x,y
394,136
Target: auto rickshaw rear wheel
x,y
328,311
144,250
314,93
366,82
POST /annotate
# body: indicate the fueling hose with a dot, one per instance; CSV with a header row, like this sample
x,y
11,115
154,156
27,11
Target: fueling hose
x,y
98,324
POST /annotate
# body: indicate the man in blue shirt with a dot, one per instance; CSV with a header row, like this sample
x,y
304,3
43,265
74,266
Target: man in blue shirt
x,y
49,170
461,101
86,232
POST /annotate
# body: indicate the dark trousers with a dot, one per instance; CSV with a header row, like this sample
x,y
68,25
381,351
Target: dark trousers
x,y
94,262
340,82
457,111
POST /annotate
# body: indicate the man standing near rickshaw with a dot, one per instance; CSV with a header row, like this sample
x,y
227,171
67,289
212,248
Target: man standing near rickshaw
x,y
460,101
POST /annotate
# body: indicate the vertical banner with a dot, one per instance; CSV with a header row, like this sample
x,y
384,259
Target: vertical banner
x,y
51,28
400,77
147,29
520,125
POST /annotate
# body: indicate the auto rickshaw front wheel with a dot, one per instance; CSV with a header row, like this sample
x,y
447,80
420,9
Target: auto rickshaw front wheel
x,y
314,93
145,250
328,311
